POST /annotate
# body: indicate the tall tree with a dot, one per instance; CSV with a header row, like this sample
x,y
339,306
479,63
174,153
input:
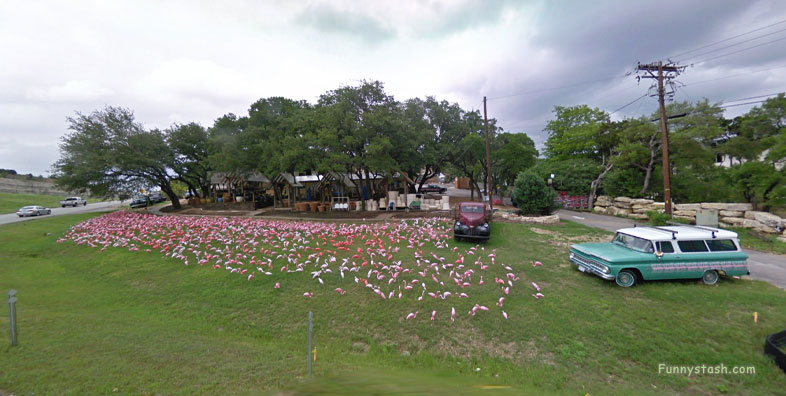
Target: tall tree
x,y
514,153
576,131
639,147
438,127
357,132
469,159
693,141
108,153
189,145
228,146
580,131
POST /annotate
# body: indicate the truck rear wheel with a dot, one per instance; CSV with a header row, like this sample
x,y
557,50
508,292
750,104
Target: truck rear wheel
x,y
710,277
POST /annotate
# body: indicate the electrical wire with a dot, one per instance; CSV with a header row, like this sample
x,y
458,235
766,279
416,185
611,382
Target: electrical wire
x,y
753,97
682,89
733,76
632,102
557,88
730,45
738,51
742,104
726,39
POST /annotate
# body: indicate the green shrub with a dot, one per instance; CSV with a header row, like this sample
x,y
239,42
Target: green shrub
x,y
532,196
657,218
572,175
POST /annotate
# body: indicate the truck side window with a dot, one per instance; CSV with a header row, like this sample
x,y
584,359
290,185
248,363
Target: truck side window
x,y
692,246
722,245
665,247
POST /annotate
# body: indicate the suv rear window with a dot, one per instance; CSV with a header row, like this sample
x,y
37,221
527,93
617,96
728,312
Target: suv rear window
x,y
722,245
692,246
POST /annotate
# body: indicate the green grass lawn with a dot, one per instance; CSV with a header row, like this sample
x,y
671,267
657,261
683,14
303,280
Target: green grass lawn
x,y
9,203
749,240
121,322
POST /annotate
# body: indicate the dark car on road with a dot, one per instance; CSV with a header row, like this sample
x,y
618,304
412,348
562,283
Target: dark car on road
x,y
140,202
433,188
156,197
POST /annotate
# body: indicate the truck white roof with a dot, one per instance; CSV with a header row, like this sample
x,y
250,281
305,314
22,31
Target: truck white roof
x,y
679,232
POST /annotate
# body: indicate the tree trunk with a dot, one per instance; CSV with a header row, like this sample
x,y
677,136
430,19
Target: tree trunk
x,y
653,145
359,188
595,184
172,196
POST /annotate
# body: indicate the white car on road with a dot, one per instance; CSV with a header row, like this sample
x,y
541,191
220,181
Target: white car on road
x,y
73,201
33,211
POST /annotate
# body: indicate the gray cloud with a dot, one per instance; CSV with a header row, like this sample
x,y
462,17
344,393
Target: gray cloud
x,y
193,62
592,40
327,19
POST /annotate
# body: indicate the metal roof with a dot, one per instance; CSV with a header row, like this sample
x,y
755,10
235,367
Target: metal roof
x,y
251,176
287,178
307,178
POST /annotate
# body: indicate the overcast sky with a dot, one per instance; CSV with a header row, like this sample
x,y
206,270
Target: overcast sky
x,y
182,61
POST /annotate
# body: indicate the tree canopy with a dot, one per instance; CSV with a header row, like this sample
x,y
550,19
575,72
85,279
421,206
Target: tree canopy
x,y
357,129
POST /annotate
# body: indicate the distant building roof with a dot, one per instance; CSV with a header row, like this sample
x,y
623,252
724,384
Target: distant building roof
x,y
286,178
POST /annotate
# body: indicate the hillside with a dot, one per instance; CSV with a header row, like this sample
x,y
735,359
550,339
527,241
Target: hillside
x,y
20,184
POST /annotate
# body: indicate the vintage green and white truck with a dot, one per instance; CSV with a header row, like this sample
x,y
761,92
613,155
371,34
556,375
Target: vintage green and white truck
x,y
672,252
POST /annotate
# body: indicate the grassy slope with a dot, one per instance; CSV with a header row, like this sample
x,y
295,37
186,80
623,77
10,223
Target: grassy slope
x,y
91,322
9,203
750,241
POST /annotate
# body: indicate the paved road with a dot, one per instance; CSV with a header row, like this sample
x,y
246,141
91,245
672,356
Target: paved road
x,y
91,207
763,266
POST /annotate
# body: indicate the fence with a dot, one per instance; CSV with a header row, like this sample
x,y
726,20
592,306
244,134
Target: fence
x,y
572,201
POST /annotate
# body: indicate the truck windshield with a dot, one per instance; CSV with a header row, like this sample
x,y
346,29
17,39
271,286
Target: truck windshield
x,y
471,209
634,243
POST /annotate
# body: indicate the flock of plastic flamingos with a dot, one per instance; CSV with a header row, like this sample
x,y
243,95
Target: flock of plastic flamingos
x,y
382,258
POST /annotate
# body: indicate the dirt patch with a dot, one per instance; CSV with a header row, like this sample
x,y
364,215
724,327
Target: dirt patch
x,y
419,214
466,343
541,231
564,241
530,353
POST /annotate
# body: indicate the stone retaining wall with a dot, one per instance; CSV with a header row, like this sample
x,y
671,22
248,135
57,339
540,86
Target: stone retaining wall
x,y
729,214
545,220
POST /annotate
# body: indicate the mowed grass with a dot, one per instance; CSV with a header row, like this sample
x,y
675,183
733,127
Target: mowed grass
x,y
761,242
125,322
10,203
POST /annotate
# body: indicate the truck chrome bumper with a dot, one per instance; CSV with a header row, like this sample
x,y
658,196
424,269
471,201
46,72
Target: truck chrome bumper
x,y
591,269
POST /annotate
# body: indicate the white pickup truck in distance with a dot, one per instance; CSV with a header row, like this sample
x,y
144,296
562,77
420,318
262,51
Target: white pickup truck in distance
x,y
73,201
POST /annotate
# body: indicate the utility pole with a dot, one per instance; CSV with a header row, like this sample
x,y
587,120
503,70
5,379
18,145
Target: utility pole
x,y
489,187
668,72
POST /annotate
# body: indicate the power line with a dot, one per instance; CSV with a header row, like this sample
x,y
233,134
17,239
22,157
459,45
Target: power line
x,y
727,39
742,104
630,103
733,75
738,51
753,97
682,89
732,45
558,88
